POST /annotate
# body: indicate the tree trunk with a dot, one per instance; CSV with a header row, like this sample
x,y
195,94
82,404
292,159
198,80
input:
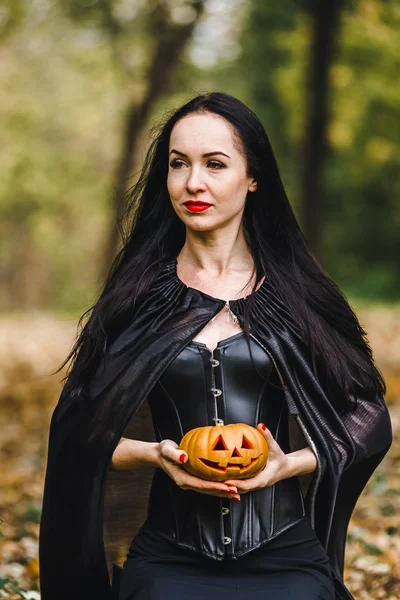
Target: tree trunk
x,y
171,39
325,16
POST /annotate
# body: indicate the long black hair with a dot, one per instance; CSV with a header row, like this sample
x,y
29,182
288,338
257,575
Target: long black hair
x,y
152,234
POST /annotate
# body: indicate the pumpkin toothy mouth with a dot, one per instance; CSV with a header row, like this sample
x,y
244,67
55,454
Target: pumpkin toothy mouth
x,y
214,465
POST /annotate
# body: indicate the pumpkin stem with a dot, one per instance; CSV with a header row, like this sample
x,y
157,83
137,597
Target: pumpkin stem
x,y
218,421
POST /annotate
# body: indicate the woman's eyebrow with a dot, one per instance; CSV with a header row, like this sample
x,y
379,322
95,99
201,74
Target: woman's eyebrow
x,y
204,155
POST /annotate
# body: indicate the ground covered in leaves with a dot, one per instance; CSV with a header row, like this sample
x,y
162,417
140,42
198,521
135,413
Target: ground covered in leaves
x,y
32,346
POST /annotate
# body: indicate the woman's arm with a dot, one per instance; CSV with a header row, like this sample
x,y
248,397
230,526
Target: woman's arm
x,y
301,462
133,454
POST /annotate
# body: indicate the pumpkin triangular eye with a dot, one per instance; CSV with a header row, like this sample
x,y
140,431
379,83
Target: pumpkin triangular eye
x,y
219,444
247,444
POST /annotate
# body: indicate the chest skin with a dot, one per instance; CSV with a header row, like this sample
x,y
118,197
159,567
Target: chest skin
x,y
218,329
222,325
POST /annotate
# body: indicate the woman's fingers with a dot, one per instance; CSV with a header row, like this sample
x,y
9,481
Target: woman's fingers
x,y
204,485
182,457
274,470
190,482
213,492
267,434
170,450
175,458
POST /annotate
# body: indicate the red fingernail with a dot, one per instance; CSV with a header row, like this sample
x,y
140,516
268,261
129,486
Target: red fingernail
x,y
182,458
263,426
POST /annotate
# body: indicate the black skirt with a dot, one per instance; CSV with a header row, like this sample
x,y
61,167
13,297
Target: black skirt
x,y
291,566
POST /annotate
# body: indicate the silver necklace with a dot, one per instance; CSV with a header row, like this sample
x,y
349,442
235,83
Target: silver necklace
x,y
231,314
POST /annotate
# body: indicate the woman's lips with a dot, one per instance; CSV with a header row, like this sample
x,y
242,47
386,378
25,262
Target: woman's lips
x,y
197,206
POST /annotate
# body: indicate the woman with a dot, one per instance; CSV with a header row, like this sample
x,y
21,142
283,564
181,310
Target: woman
x,y
213,313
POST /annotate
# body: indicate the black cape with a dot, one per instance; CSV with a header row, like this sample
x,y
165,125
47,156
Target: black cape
x,y
85,431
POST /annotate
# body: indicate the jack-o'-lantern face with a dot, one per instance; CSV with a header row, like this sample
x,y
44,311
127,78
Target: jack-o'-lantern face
x,y
225,451
231,450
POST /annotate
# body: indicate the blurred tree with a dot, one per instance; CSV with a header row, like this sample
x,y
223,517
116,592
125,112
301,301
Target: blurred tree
x,y
54,164
170,38
73,73
146,43
267,43
362,214
274,43
12,14
356,232
325,19
169,26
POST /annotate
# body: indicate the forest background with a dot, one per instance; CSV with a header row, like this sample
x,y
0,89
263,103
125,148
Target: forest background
x,y
81,83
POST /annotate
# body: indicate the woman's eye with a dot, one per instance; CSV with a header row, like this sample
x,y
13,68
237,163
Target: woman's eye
x,y
176,163
215,164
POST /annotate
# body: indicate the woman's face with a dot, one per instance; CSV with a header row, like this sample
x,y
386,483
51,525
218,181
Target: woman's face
x,y
204,165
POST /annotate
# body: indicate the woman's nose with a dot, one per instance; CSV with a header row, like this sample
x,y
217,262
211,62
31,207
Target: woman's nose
x,y
195,181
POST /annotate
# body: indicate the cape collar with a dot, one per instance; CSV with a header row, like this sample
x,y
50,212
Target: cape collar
x,y
267,302
171,272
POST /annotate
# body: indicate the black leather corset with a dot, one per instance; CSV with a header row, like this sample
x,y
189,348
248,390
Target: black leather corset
x,y
195,386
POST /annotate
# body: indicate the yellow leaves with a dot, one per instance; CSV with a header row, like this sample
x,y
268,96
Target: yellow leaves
x,y
373,547
11,551
29,352
33,568
11,595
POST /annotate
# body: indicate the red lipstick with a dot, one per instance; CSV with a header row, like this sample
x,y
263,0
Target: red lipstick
x,y
196,205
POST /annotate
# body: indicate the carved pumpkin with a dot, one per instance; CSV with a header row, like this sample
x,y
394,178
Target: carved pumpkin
x,y
220,452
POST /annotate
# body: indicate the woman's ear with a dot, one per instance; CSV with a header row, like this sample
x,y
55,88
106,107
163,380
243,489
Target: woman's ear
x,y
253,186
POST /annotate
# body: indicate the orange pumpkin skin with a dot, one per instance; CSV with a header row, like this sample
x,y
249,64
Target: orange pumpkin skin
x,y
220,452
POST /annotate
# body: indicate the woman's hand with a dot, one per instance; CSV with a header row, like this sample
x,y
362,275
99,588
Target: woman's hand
x,y
171,458
279,465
